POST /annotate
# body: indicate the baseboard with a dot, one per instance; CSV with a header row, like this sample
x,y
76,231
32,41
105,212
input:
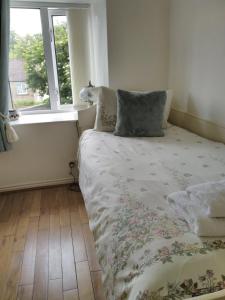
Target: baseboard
x,y
35,184
197,125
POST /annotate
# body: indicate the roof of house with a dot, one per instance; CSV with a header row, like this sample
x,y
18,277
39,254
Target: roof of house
x,y
17,70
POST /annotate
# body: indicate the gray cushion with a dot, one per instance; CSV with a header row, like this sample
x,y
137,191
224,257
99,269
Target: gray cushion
x,y
140,114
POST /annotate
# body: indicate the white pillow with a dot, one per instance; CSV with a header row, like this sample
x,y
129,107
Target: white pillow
x,y
106,111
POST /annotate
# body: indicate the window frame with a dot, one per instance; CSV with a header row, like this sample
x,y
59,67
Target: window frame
x,y
50,59
46,13
52,12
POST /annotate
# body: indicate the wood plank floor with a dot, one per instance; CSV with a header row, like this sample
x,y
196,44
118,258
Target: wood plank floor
x,y
46,247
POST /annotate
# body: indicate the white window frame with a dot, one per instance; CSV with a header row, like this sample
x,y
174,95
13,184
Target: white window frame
x,y
51,13
47,10
50,59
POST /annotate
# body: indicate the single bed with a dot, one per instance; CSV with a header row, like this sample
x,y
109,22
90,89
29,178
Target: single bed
x,y
145,250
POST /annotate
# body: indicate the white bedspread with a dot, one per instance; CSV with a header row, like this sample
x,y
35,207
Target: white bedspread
x,y
145,250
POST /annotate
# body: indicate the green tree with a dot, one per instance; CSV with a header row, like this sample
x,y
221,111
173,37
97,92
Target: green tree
x,y
63,63
31,50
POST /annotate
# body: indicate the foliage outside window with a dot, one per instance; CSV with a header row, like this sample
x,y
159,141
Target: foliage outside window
x,y
28,53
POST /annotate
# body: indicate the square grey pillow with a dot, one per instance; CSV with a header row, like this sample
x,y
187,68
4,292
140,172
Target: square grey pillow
x,y
140,114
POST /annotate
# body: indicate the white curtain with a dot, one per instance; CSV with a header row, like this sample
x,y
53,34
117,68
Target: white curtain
x,y
80,49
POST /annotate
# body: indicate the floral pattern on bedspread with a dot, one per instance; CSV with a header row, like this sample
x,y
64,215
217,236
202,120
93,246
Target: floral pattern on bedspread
x,y
205,284
145,249
135,226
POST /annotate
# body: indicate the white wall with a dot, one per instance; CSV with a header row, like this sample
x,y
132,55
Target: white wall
x,y
138,43
197,58
40,157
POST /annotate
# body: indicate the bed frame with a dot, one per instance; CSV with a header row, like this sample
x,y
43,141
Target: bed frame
x,y
86,120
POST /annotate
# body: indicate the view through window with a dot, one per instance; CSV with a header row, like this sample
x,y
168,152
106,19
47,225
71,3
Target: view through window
x,y
30,74
62,58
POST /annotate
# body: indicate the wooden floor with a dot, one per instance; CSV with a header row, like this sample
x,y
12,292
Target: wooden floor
x,y
46,247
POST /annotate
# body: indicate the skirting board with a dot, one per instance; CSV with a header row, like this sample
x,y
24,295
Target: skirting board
x,y
37,184
197,125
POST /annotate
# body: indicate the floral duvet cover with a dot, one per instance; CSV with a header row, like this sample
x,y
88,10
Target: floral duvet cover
x,y
146,251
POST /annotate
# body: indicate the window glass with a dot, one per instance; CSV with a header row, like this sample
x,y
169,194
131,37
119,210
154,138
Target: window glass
x,y
40,66
62,58
27,67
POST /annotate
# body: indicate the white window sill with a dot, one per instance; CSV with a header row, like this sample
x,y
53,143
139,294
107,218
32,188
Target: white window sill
x,y
46,118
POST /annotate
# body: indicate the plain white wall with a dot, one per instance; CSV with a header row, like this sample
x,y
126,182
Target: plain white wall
x,y
197,58
138,43
40,157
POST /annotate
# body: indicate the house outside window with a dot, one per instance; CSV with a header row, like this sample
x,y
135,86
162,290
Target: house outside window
x,y
21,88
22,95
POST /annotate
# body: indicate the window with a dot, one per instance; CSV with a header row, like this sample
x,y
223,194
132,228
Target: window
x,y
60,34
40,64
27,65
21,88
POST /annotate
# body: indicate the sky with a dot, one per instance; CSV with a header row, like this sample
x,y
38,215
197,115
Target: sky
x,y
24,21
27,21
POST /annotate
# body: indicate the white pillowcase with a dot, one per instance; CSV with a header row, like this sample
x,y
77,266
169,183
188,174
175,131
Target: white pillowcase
x,y
106,113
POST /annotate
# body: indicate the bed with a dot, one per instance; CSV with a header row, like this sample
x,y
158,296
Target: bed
x,y
145,250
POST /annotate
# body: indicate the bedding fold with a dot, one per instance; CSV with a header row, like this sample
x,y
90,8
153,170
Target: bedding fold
x,y
195,213
211,194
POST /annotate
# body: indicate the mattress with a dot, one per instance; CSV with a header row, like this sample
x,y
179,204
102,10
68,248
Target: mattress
x,y
145,249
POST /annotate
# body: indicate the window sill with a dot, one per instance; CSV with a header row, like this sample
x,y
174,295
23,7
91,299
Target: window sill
x,y
46,118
